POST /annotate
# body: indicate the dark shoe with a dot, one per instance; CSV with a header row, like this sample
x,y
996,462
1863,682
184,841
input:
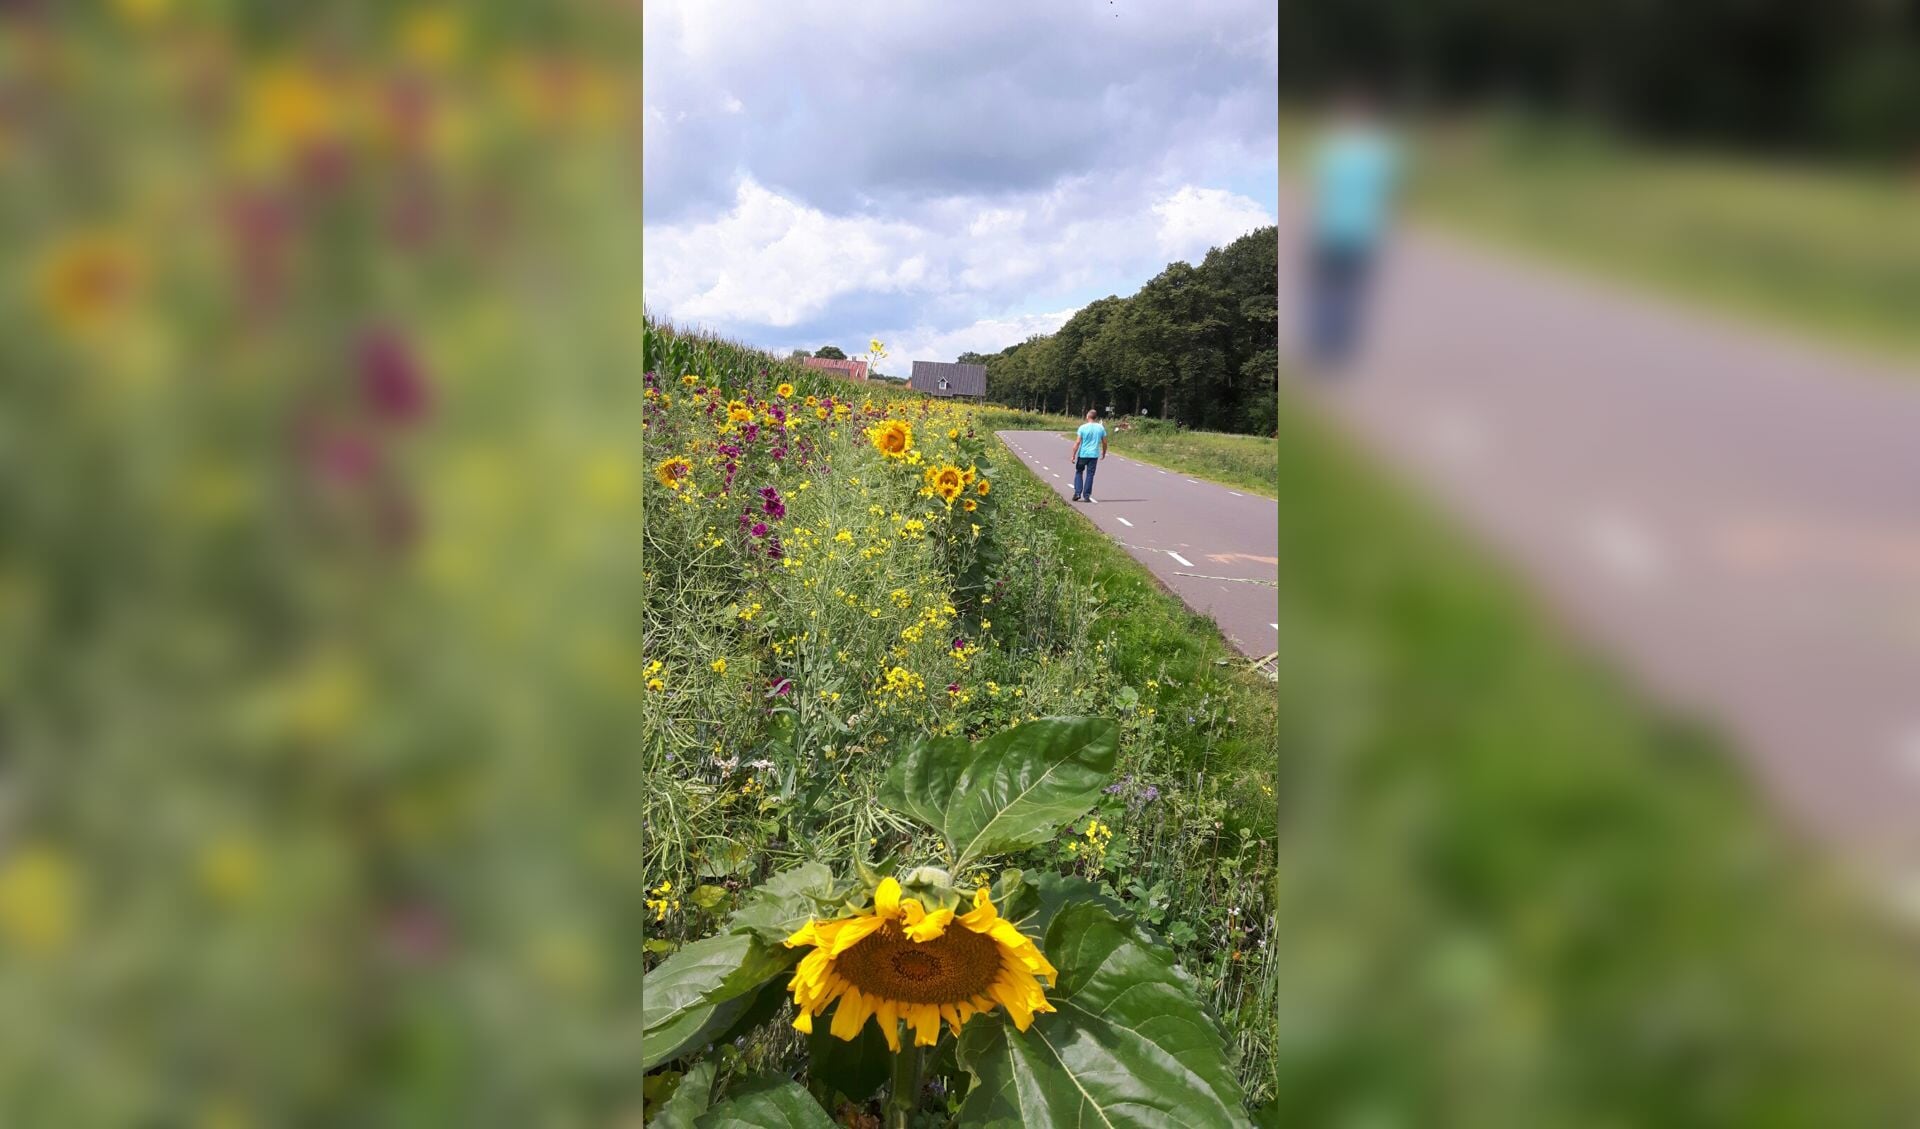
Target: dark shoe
x,y
1076,497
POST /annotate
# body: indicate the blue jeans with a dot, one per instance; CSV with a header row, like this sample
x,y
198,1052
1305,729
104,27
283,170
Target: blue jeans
x,y
1084,465
1336,295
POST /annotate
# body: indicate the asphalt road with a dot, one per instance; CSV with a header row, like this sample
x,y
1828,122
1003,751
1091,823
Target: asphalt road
x,y
1732,515
1213,546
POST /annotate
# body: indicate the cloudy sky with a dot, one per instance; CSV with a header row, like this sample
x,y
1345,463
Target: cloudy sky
x,y
947,177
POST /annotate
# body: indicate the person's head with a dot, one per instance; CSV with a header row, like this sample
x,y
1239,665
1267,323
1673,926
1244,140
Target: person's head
x,y
1090,414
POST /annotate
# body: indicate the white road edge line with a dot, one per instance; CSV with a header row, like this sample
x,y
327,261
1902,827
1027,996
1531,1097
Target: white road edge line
x,y
1178,557
1275,626
1236,493
1123,521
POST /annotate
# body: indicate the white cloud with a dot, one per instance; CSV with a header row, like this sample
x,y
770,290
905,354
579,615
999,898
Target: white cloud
x,y
1194,219
772,261
988,335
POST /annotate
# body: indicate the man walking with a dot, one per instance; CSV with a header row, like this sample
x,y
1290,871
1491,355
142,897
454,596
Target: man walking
x,y
1089,447
1352,175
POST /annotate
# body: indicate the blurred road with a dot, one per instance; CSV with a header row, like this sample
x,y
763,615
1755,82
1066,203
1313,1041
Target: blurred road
x,y
1734,518
1212,545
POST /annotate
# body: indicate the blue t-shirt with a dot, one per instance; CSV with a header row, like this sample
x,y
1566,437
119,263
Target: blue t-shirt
x,y
1353,176
1090,436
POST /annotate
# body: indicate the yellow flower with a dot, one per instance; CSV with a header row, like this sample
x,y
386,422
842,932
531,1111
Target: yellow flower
x,y
37,899
84,280
719,666
431,37
784,391
969,505
894,438
230,869
738,412
673,472
689,380
903,962
656,685
983,488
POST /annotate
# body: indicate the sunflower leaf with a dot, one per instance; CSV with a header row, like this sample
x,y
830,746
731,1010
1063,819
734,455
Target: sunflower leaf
x,y
784,902
922,779
1016,788
766,1102
689,1100
702,990
1128,1044
855,1069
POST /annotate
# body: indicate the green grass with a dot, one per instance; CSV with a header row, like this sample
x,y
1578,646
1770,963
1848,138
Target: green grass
x,y
1828,253
1244,461
1512,894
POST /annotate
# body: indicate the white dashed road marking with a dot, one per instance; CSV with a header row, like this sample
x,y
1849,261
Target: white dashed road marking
x,y
1178,557
1275,626
1123,521
1236,493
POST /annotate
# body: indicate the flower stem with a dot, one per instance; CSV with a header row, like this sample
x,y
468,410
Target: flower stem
x,y
905,1096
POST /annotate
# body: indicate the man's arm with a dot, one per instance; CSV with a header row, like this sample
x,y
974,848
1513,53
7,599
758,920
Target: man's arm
x,y
1103,442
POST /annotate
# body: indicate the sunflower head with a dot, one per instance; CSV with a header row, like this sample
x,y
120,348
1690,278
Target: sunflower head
x,y
893,438
672,472
947,481
982,487
902,961
784,391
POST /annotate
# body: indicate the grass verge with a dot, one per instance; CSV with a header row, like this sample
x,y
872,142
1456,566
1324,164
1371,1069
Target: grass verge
x,y
1242,461
1510,893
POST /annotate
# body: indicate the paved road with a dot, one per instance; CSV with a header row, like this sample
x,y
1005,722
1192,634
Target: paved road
x,y
1213,546
1735,518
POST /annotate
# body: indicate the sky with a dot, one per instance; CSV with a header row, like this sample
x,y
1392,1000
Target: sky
x,y
945,177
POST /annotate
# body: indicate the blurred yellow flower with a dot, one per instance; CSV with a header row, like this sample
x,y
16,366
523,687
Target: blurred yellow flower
x,y
37,896
230,869
288,108
608,480
327,699
143,13
672,473
431,37
784,391
719,666
85,279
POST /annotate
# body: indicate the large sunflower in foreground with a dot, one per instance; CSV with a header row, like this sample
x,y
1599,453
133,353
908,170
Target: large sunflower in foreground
x,y
903,961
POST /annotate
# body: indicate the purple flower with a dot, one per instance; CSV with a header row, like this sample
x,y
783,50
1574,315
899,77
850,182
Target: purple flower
x,y
390,378
1113,789
1150,793
959,642
779,687
774,508
759,529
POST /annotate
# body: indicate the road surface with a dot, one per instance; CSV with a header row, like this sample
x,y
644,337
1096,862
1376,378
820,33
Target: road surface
x,y
1212,545
1733,516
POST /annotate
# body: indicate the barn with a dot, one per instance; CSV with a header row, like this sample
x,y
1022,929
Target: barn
x,y
939,378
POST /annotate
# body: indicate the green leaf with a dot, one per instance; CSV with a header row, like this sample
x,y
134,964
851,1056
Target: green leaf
x,y
689,1101
1019,785
783,903
700,990
922,779
856,1069
1129,1044
706,897
766,1102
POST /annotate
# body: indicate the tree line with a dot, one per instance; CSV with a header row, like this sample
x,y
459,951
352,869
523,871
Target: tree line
x,y
1196,344
1833,77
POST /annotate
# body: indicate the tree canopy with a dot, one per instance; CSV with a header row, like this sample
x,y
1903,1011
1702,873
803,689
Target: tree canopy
x,y
1196,344
832,352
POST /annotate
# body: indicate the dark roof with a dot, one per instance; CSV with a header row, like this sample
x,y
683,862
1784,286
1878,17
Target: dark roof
x,y
962,380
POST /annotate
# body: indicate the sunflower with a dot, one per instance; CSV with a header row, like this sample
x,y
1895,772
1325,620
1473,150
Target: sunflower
x,y
672,472
689,380
894,438
738,412
784,391
969,505
983,488
85,279
901,961
947,482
